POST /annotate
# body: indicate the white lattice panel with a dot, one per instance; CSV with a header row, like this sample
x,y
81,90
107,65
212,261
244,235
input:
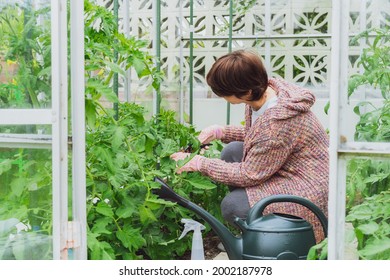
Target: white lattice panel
x,y
302,60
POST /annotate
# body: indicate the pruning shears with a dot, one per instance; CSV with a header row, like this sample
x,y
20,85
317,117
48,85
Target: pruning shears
x,y
189,148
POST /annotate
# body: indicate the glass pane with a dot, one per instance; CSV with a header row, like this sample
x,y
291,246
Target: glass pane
x,y
25,129
25,54
368,208
25,204
365,118
368,107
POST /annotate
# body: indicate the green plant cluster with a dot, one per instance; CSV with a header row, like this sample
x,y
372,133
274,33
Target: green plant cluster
x,y
368,180
25,45
372,228
374,124
25,195
125,150
126,219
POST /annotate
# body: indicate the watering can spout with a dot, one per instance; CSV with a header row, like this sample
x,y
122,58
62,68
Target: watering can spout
x,y
232,244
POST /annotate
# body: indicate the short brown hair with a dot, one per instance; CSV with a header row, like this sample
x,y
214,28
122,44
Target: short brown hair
x,y
236,73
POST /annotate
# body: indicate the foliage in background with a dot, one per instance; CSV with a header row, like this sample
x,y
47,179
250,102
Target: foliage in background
x,y
25,174
25,61
126,220
25,195
108,52
372,227
374,124
26,46
368,186
368,180
319,251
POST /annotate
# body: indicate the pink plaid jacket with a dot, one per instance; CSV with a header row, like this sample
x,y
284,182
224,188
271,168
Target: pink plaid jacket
x,y
285,152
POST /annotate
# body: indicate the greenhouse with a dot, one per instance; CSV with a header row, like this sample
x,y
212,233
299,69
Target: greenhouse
x,y
115,124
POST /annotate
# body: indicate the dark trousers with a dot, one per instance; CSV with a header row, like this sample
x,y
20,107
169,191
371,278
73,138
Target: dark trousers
x,y
236,203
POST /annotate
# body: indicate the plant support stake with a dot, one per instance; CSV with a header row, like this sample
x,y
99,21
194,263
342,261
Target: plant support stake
x,y
191,60
158,52
115,82
230,50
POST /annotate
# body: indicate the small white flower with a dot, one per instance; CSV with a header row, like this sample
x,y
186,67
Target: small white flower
x,y
95,200
20,227
41,96
107,200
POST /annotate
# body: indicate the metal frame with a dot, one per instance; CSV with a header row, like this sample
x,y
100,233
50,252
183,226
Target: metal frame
x,y
156,44
28,141
57,117
126,29
79,199
340,152
191,63
60,122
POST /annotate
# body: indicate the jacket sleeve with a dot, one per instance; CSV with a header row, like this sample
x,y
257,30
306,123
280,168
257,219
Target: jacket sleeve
x,y
263,160
233,133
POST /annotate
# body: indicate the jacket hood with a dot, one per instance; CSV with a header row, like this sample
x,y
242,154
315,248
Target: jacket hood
x,y
292,99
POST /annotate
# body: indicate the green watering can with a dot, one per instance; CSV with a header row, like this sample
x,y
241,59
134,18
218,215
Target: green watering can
x,y
270,237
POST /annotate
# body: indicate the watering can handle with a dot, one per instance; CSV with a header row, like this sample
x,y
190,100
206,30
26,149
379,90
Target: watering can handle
x,y
257,210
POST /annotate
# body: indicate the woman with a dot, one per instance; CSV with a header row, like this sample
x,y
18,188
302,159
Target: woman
x,y
282,149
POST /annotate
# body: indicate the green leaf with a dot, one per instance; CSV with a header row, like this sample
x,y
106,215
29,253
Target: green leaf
x,y
125,211
100,250
45,72
106,157
90,113
139,66
5,166
376,177
169,147
116,68
356,109
157,203
146,215
360,212
118,136
18,186
103,89
326,108
319,251
377,246
131,238
100,225
149,144
201,183
104,209
369,228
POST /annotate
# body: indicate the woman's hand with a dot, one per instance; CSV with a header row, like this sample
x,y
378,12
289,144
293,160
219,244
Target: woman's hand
x,y
192,165
211,133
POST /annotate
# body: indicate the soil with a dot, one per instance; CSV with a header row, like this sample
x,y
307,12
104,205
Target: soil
x,y
210,243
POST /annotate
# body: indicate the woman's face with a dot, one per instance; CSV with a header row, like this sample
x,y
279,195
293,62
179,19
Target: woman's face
x,y
256,104
235,100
